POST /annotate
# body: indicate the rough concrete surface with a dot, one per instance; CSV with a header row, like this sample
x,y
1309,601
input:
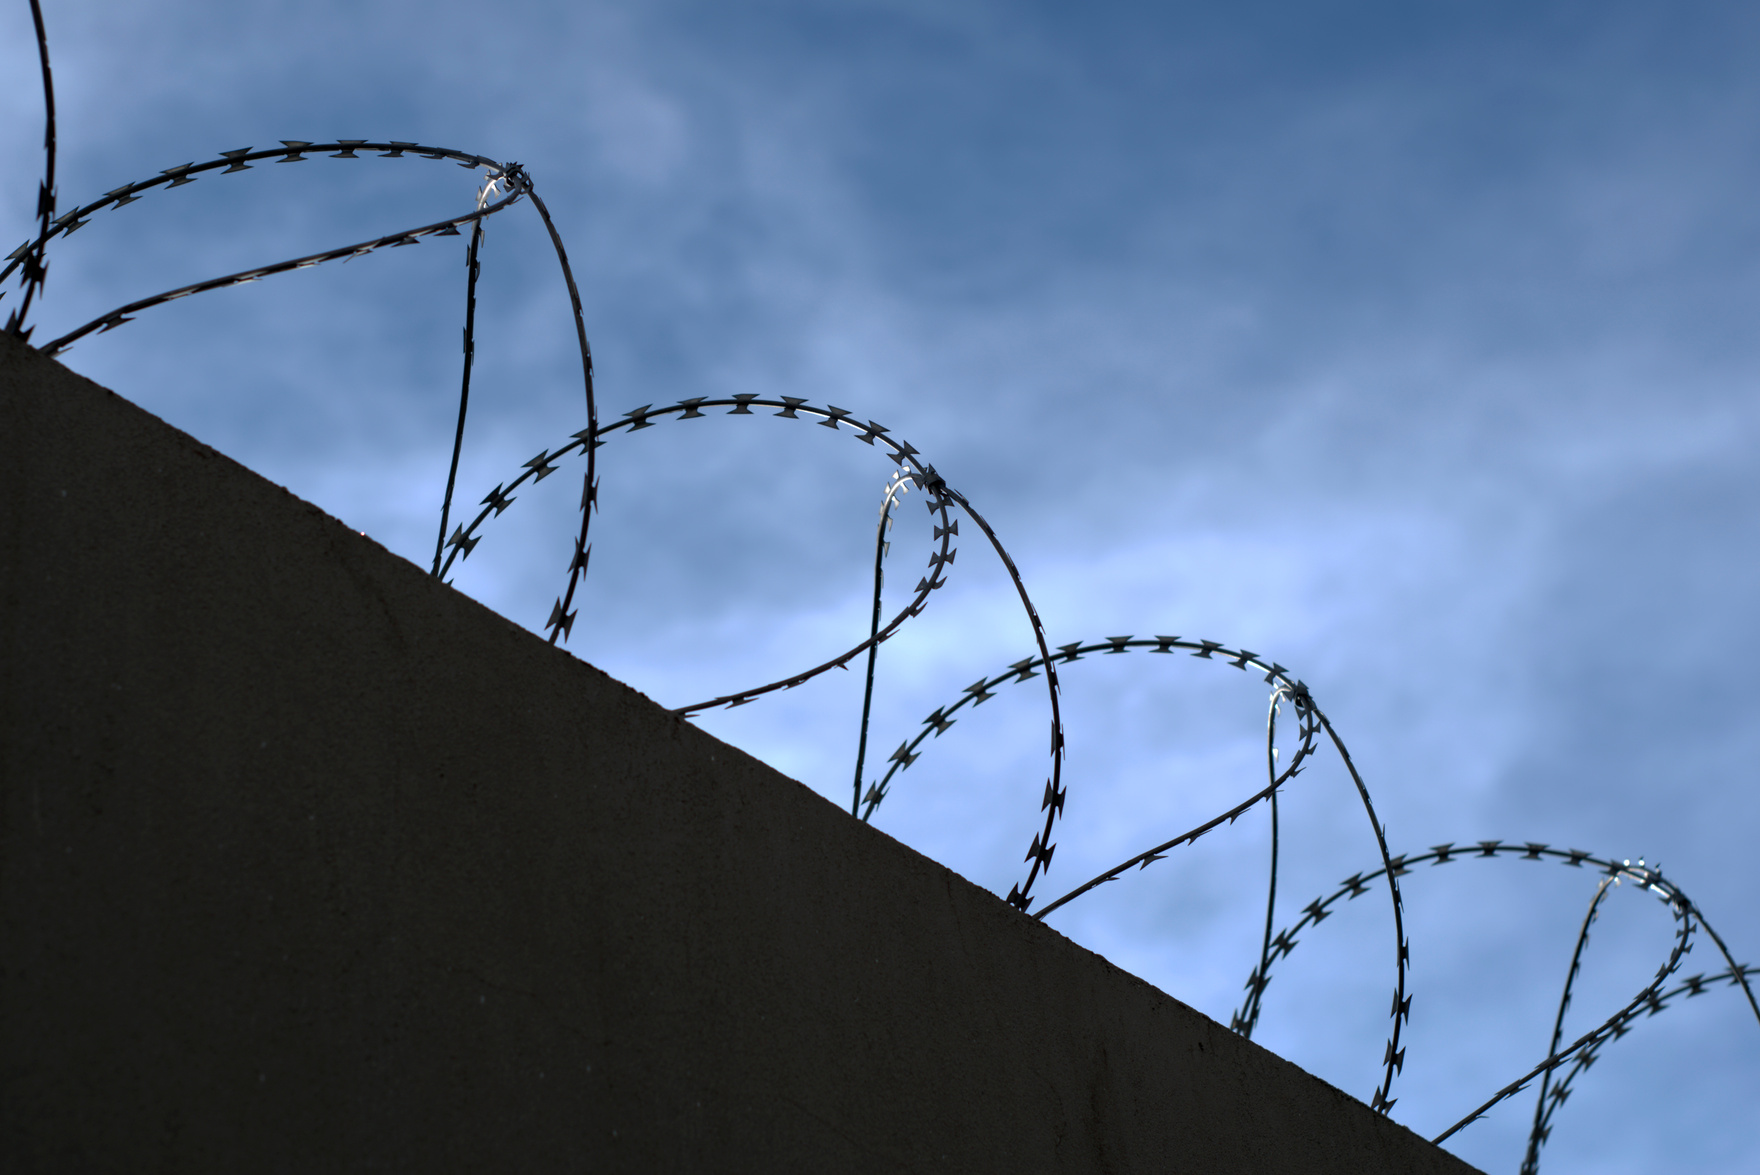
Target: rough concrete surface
x,y
309,862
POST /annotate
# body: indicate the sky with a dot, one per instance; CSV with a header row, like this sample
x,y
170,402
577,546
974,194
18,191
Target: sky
x,y
1408,345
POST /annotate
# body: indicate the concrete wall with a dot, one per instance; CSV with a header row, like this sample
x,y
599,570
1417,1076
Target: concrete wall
x,y
308,862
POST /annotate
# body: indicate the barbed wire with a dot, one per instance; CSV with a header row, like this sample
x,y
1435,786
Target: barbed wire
x,y
1646,877
36,265
896,487
291,151
473,270
1287,688
508,183
919,473
1542,1127
1313,721
1693,985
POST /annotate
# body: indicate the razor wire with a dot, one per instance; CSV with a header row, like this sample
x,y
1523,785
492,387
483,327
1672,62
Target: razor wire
x,y
910,467
228,162
896,487
1285,688
1544,1107
508,183
1651,998
1312,723
36,266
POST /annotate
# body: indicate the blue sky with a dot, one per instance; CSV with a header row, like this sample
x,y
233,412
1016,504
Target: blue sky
x,y
1409,345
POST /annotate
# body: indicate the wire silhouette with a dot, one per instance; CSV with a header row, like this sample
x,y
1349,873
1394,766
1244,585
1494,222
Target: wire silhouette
x,y
504,185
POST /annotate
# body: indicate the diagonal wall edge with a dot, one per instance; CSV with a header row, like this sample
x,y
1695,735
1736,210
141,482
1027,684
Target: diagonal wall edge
x,y
308,862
